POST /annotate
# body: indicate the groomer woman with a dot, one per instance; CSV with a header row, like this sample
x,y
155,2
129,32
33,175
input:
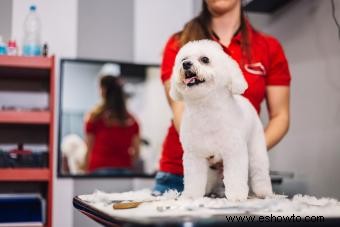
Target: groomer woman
x,y
263,64
112,133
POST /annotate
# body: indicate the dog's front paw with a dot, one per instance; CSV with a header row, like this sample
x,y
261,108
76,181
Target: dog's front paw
x,y
262,191
236,195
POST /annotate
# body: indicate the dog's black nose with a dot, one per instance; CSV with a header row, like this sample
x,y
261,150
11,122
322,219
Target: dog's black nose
x,y
187,65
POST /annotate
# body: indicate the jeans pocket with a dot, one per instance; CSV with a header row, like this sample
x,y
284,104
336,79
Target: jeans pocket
x,y
162,177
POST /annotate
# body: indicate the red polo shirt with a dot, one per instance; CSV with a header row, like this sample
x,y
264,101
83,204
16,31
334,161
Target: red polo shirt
x,y
111,144
268,67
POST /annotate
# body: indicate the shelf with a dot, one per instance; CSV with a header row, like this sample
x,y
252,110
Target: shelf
x,y
29,74
24,174
26,62
25,117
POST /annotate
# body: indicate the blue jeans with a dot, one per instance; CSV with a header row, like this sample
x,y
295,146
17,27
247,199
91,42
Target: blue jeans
x,y
167,181
111,171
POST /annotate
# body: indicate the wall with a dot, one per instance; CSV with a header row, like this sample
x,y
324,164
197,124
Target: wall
x,y
59,23
5,19
155,21
311,149
106,29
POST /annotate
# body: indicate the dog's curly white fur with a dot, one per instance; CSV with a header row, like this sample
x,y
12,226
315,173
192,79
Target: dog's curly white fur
x,y
218,123
74,148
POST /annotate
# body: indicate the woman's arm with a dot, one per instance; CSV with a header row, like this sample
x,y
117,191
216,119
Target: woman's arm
x,y
135,147
278,111
89,138
176,107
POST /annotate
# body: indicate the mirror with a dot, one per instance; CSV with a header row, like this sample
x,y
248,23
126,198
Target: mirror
x,y
80,93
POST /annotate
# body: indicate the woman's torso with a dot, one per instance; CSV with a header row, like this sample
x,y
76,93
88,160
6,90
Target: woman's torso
x,y
266,57
111,144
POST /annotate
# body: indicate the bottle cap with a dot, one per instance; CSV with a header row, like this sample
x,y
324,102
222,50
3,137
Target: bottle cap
x,y
12,43
33,8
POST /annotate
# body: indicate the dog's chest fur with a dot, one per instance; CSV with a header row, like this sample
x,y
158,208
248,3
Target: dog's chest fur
x,y
206,126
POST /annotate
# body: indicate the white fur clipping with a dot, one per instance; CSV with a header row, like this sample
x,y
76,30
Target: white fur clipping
x,y
166,206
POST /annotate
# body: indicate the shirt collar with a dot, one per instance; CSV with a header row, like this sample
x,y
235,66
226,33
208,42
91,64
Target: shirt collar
x,y
238,34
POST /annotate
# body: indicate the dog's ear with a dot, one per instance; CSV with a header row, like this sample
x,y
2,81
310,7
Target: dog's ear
x,y
237,84
174,93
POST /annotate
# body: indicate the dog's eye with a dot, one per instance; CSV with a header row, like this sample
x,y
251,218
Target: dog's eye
x,y
205,60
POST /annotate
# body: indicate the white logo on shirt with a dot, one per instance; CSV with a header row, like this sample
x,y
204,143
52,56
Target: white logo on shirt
x,y
255,68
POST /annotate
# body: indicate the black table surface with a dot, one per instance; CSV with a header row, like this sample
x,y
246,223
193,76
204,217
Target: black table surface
x,y
185,221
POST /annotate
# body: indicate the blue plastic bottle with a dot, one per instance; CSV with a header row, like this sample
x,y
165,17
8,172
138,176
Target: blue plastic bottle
x,y
3,49
32,34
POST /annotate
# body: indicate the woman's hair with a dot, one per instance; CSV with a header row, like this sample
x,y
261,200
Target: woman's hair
x,y
199,28
113,100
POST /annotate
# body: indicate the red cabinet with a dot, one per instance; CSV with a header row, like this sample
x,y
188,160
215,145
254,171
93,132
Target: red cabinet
x,y
24,125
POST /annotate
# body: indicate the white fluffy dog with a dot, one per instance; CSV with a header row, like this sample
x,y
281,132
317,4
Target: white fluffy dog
x,y
74,148
218,123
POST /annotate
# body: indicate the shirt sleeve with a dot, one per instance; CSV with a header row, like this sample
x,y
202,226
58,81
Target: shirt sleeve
x,y
90,127
278,70
135,128
169,55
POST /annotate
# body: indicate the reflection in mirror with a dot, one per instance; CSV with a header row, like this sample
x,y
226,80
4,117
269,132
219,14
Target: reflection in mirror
x,y
113,118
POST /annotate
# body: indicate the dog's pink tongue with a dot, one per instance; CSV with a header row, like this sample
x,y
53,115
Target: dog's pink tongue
x,y
189,80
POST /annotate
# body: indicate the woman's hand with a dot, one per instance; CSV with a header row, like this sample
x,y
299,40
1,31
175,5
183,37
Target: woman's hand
x,y
89,139
135,148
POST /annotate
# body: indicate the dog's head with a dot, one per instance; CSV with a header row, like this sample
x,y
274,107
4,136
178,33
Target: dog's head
x,y
201,67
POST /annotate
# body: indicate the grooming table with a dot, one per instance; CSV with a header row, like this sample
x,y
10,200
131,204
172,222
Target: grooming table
x,y
105,215
108,220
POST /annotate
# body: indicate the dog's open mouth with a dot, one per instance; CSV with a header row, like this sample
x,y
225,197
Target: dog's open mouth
x,y
192,79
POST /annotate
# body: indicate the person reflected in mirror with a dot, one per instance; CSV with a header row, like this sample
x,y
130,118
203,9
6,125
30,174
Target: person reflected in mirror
x,y
111,132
